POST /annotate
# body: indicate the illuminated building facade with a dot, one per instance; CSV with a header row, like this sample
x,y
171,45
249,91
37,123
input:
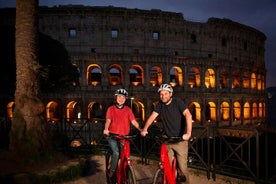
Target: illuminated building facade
x,y
217,67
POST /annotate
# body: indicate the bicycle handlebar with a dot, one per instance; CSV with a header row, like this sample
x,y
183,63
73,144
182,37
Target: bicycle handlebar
x,y
120,137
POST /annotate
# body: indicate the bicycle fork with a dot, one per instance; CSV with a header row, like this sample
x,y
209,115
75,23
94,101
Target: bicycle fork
x,y
169,174
123,162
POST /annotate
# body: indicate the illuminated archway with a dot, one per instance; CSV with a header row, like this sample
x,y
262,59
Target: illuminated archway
x,y
260,110
259,82
94,75
136,75
73,111
223,78
10,108
245,79
236,79
193,77
253,81
138,109
254,110
195,110
225,111
95,110
176,78
115,75
210,113
237,111
246,111
210,78
52,111
155,76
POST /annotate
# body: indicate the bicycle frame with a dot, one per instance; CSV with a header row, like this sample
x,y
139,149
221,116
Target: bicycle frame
x,y
124,161
170,172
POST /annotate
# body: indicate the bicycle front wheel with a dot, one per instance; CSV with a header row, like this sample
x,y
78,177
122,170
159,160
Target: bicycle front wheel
x,y
107,166
158,177
130,175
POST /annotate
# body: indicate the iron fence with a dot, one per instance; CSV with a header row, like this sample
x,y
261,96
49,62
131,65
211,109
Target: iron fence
x,y
241,152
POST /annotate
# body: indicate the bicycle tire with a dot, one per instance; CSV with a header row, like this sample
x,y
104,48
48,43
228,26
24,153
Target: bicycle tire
x,y
130,175
107,166
158,177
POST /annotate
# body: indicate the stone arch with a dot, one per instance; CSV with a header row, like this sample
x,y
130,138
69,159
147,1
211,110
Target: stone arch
x,y
115,75
94,75
210,78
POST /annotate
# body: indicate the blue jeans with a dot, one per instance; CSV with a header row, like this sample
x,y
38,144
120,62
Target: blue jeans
x,y
115,152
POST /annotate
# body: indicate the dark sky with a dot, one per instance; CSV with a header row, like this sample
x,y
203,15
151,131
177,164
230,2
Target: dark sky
x,y
259,14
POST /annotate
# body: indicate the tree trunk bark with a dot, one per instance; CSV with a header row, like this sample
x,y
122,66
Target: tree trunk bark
x,y
28,136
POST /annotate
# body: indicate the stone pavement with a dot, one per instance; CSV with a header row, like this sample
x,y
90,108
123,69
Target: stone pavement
x,y
144,174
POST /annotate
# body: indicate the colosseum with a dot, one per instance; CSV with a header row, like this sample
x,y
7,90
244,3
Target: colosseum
x,y
217,67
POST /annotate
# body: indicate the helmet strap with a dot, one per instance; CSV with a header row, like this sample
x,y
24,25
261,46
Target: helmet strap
x,y
119,106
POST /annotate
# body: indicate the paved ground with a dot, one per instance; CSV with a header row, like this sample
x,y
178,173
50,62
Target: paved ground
x,y
144,174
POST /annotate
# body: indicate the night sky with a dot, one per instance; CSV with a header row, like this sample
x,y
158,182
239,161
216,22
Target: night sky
x,y
259,14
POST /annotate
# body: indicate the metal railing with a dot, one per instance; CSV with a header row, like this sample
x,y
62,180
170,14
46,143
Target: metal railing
x,y
241,152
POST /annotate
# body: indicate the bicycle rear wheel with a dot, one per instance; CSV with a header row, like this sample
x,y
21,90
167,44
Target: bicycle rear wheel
x,y
130,175
158,177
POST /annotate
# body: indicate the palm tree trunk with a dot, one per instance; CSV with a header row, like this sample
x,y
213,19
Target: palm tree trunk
x,y
28,136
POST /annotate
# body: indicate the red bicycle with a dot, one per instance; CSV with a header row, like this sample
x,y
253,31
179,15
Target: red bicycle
x,y
166,174
124,171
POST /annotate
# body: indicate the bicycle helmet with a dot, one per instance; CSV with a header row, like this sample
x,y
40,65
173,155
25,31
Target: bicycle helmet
x,y
121,92
165,87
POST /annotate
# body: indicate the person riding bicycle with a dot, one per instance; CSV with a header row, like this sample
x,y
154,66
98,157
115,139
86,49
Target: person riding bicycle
x,y
119,118
172,111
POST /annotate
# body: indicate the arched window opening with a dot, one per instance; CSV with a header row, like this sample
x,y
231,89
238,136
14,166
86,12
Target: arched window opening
x,y
75,82
225,111
237,111
210,78
95,110
136,75
260,110
138,109
94,75
263,82
259,82
236,79
246,111
52,112
253,81
245,80
223,78
210,113
115,75
176,76
194,77
195,110
10,108
73,111
155,76
254,111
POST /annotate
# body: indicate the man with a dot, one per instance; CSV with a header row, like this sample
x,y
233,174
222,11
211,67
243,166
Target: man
x,y
172,110
119,118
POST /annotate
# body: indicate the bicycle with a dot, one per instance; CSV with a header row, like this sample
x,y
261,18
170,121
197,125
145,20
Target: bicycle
x,y
166,174
124,173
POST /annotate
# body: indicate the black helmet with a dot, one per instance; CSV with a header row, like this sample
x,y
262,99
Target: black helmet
x,y
165,87
121,92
